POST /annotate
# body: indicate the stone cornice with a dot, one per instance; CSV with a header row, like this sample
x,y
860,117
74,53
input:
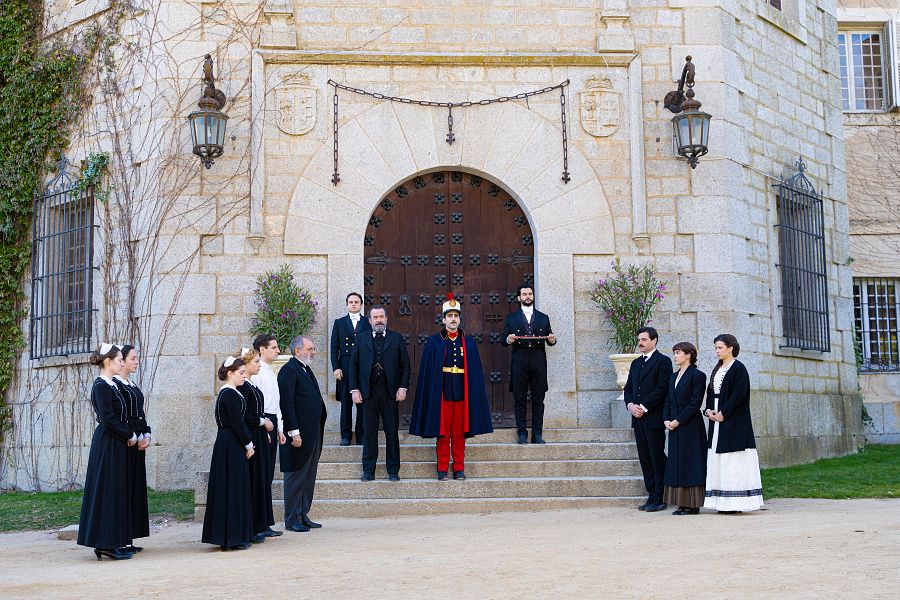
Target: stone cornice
x,y
450,59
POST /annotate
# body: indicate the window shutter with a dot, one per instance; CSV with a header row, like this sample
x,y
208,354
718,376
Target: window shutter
x,y
891,65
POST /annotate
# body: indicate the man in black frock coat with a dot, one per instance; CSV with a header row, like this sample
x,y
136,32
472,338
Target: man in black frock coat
x,y
379,379
528,368
343,338
304,414
645,397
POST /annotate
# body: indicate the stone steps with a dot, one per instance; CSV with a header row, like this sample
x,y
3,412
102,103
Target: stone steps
x,y
577,467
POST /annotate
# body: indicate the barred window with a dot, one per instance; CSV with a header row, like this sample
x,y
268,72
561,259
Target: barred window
x,y
863,73
61,279
801,249
875,302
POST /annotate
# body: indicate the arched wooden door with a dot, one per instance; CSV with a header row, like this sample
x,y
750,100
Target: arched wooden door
x,y
450,231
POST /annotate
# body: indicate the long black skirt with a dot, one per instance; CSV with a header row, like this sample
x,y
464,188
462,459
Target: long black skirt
x,y
260,488
228,520
105,509
686,462
136,475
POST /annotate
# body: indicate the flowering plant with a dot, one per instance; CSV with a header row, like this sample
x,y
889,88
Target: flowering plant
x,y
284,309
627,296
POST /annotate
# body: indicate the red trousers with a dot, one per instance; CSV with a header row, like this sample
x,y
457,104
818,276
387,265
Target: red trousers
x,y
453,415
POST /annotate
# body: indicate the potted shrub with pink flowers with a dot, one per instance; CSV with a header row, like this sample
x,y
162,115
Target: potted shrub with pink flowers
x,y
626,296
283,309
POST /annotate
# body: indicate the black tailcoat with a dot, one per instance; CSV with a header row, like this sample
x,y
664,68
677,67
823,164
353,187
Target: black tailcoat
x,y
648,384
686,463
302,408
736,431
106,505
343,340
522,350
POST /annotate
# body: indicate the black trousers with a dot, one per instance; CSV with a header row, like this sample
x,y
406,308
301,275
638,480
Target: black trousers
x,y
273,446
529,372
342,392
381,405
651,452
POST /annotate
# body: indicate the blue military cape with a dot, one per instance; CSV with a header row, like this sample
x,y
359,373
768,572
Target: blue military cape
x,y
426,413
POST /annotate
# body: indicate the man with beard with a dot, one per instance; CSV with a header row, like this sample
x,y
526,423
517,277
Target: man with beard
x,y
379,378
528,331
451,403
344,334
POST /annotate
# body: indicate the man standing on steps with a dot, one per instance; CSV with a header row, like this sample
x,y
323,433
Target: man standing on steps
x,y
451,403
645,395
343,338
379,378
528,330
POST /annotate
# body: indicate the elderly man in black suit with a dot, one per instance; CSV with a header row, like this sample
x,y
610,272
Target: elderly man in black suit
x,y
528,331
379,379
645,397
304,414
343,338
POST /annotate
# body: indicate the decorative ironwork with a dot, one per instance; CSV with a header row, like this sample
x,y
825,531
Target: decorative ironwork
x,y
369,299
458,278
477,337
387,204
439,299
402,192
438,319
439,239
496,377
804,276
422,260
456,198
494,338
437,177
456,238
876,302
474,259
440,280
406,337
494,298
385,299
476,299
440,218
509,204
422,338
375,221
456,176
493,190
405,309
419,182
527,240
457,260
519,221
493,259
510,297
424,298
456,217
517,260
382,260
475,181
438,198
406,260
440,260
528,278
369,240
62,275
369,280
450,106
493,318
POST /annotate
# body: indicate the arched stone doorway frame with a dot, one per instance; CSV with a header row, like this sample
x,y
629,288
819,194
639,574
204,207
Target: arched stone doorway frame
x,y
509,144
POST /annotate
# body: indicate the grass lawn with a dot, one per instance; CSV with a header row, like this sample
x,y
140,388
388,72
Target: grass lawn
x,y
22,511
874,473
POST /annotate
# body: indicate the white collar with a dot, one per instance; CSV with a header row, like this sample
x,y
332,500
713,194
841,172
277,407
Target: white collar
x,y
108,380
374,333
229,386
528,309
354,317
122,379
263,364
649,354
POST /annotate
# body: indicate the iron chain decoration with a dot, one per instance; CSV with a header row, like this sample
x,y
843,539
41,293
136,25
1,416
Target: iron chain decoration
x,y
335,178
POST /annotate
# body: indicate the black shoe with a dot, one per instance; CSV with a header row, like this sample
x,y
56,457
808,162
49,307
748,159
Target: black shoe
x,y
131,548
656,507
311,524
272,533
523,438
646,504
728,512
345,442
394,477
116,554
692,511
298,528
536,439
459,474
367,478
442,475
258,539
243,546
679,511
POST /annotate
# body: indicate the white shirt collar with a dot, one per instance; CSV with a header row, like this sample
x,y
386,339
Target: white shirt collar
x,y
649,354
528,309
122,379
229,386
108,380
354,317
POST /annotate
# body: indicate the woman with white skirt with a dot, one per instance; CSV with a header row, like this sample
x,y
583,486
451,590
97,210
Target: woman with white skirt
x,y
733,482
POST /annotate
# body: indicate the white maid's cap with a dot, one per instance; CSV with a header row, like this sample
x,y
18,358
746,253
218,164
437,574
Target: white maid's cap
x,y
229,361
245,351
106,348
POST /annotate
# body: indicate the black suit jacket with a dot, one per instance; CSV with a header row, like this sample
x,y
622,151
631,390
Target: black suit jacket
x,y
648,384
736,431
516,324
343,339
302,408
395,363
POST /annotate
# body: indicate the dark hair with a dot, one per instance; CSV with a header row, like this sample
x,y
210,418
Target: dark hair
x,y
730,341
97,358
126,349
524,286
649,331
687,348
262,341
377,307
224,371
347,299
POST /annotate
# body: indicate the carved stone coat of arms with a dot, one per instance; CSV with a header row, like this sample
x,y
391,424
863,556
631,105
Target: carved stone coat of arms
x,y
600,107
295,105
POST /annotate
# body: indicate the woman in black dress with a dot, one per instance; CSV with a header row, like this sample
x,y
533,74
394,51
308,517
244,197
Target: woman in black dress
x,y
228,522
685,477
136,466
105,522
260,430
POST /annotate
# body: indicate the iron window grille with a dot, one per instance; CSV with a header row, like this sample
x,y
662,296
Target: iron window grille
x,y
804,280
875,304
62,274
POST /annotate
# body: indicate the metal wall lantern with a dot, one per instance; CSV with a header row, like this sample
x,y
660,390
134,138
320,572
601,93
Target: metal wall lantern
x,y
690,126
208,123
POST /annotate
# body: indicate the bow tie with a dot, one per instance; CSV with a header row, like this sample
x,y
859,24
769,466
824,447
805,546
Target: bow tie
x,y
381,335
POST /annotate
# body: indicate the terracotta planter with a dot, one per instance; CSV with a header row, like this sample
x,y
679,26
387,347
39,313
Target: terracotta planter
x,y
282,360
622,363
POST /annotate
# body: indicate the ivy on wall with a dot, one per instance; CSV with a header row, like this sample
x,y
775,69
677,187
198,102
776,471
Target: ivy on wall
x,y
40,97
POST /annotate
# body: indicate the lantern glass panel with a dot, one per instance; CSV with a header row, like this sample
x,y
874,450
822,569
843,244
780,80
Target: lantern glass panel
x,y
197,129
220,133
